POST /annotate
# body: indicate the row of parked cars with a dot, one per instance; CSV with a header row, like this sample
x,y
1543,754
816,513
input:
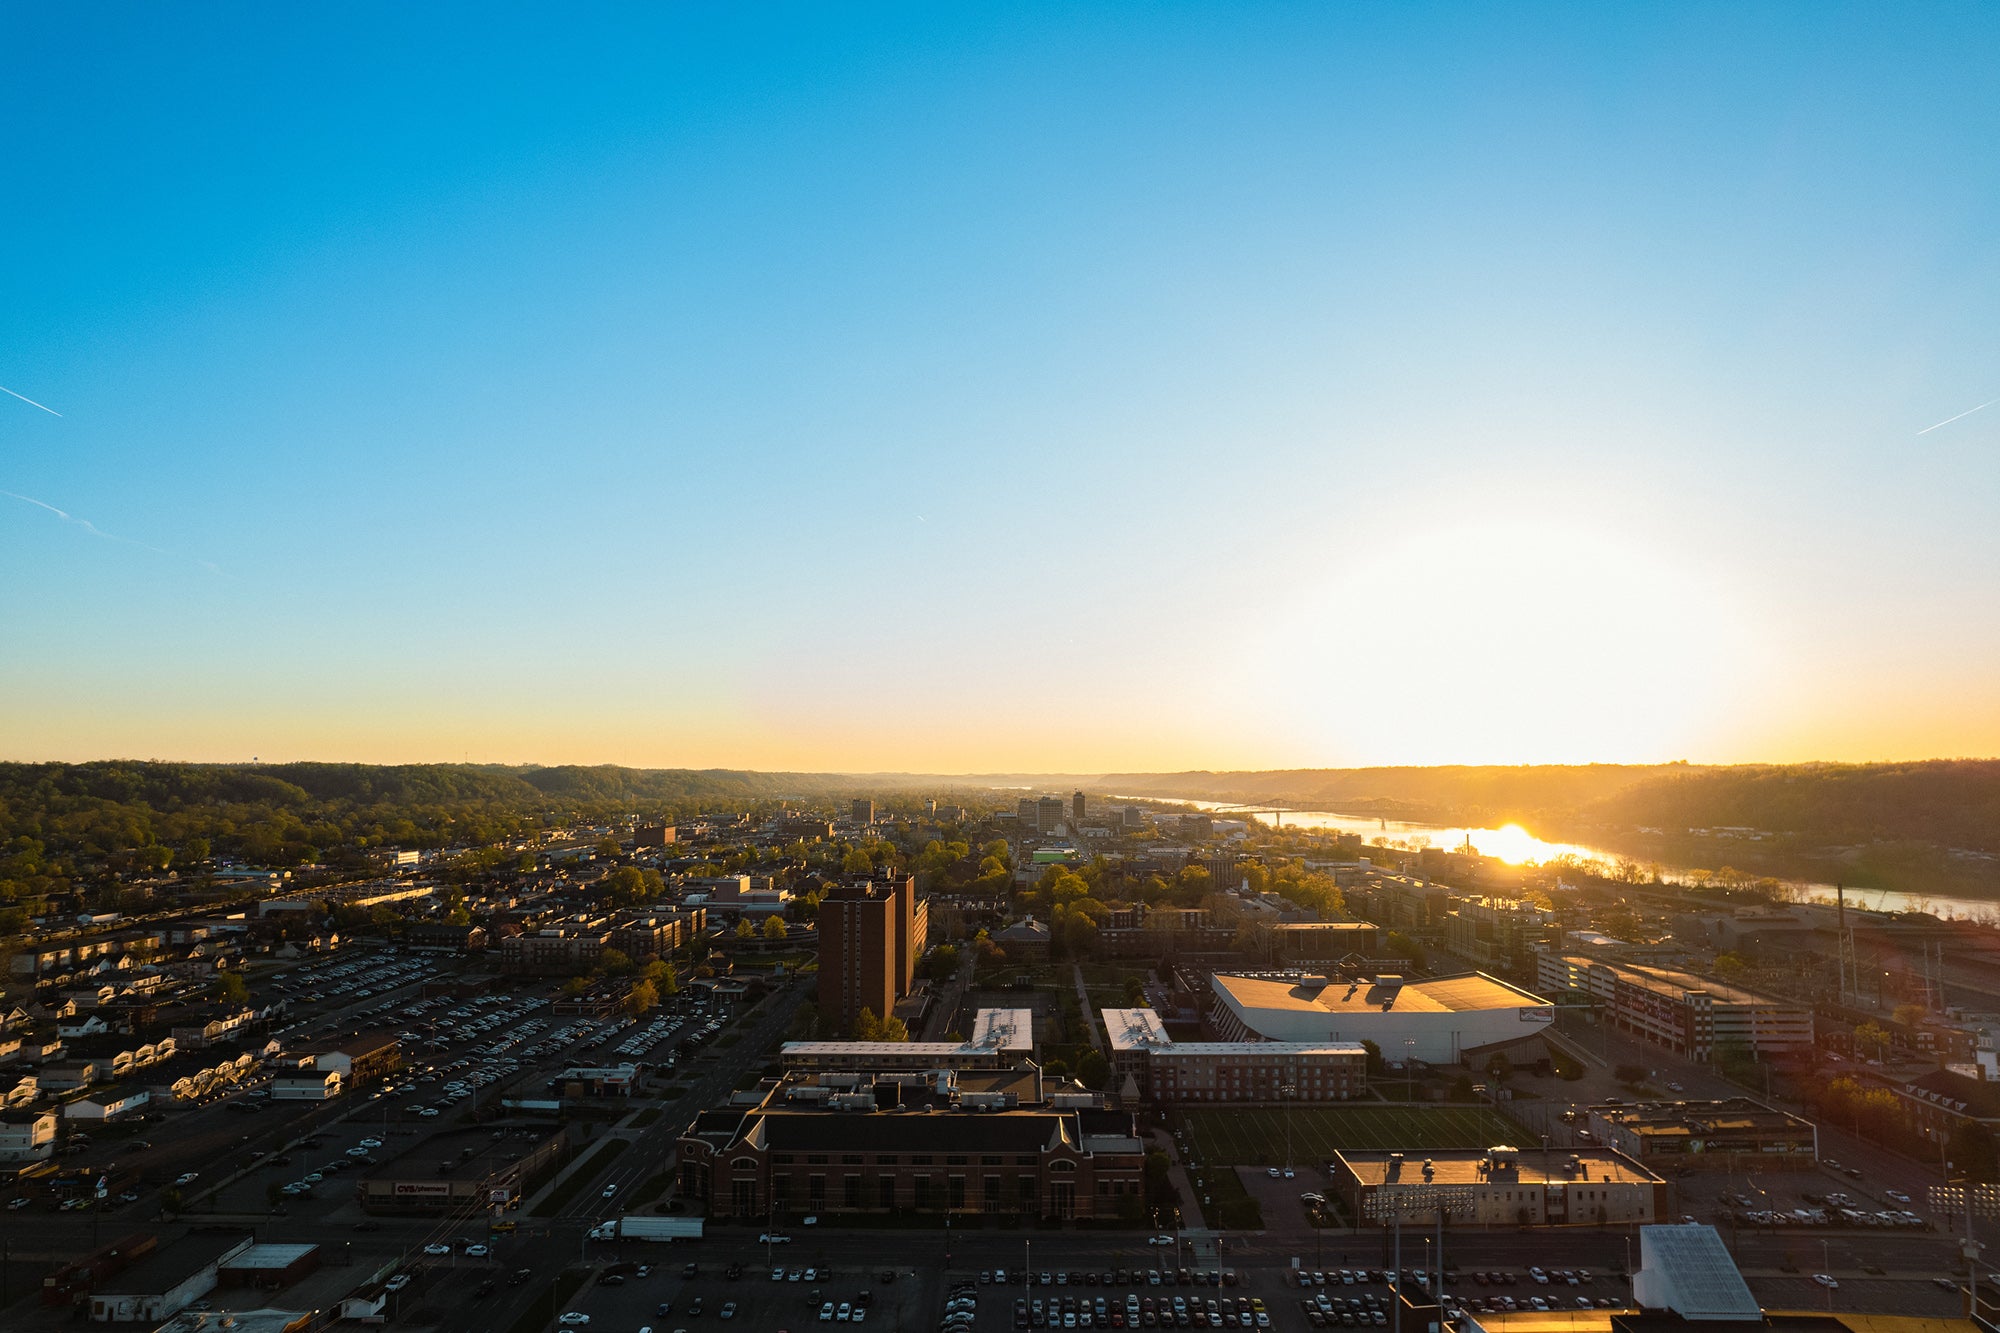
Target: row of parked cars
x,y
1080,1312
1131,1277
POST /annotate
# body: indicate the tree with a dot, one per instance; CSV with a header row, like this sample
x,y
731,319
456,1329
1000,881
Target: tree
x,y
1973,1153
1729,965
856,862
641,999
1911,1015
1373,1055
231,988
774,927
942,963
614,961
1873,1034
867,1027
1093,1070
744,930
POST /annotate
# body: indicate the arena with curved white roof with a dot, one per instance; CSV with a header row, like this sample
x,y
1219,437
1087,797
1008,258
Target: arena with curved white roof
x,y
1438,1020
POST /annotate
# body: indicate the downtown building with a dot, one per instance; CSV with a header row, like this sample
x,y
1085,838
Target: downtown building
x,y
871,933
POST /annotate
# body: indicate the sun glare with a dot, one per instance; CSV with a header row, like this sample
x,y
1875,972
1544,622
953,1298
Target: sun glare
x,y
1519,642
1510,843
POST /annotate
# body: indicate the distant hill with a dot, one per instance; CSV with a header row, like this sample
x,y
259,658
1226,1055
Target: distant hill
x,y
1443,794
1950,802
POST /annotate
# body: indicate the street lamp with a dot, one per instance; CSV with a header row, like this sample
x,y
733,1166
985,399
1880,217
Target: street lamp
x,y
1971,1199
1287,1092
1393,1202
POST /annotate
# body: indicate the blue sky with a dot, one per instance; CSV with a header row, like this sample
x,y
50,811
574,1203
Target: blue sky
x,y
963,389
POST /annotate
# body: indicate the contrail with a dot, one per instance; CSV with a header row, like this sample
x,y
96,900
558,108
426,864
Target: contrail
x,y
30,402
1925,431
96,531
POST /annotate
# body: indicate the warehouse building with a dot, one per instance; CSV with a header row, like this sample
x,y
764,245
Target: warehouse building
x,y
1152,1065
165,1282
1505,1186
1727,1132
462,1169
1438,1020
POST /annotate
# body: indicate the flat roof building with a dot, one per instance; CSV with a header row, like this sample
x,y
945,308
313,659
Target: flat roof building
x,y
460,1169
1505,1186
1716,1131
1001,1039
165,1282
1693,1016
1161,1069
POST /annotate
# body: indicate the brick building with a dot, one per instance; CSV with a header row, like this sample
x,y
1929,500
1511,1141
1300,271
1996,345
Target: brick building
x,y
871,933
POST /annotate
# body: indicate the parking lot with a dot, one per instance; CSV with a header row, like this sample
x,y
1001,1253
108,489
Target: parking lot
x,y
677,1292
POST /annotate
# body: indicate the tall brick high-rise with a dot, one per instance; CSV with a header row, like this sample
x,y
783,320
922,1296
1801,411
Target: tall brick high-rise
x,y
871,933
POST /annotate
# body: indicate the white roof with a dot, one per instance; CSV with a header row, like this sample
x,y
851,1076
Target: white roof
x,y
1004,1029
1687,1270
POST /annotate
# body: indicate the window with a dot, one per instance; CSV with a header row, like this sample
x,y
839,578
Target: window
x,y
990,1192
920,1192
956,1160
1026,1187
851,1159
851,1191
1027,1159
816,1192
816,1159
989,1161
957,1192
888,1192
920,1161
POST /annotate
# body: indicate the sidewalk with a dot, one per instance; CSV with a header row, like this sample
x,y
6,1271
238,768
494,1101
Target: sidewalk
x,y
1191,1214
1089,1019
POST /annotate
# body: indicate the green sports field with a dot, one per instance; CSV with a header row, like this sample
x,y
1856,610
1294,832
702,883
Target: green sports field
x,y
1257,1138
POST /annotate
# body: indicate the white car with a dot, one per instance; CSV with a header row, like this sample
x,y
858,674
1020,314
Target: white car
x,y
371,1143
480,1252
773,1238
397,1283
1827,1280
574,1319
187,1177
1897,1195
610,1190
1159,1240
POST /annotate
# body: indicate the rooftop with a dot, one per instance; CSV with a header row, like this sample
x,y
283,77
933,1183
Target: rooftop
x,y
170,1265
1469,1167
1456,994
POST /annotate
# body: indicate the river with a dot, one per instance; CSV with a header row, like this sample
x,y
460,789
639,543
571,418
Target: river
x,y
1516,846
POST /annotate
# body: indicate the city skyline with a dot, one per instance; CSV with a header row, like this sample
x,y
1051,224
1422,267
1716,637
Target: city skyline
x,y
1027,390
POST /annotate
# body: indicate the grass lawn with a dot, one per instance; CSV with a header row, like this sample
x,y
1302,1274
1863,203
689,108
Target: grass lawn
x,y
1230,1206
1257,1137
